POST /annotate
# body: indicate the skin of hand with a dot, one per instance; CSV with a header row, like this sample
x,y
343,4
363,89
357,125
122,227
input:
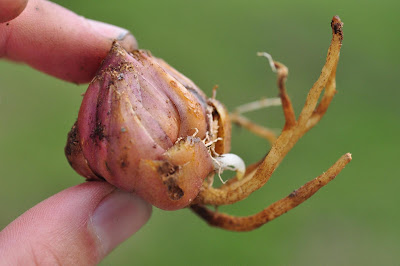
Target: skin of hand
x,y
82,224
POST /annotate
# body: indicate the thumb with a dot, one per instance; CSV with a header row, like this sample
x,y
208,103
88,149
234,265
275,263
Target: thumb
x,y
78,226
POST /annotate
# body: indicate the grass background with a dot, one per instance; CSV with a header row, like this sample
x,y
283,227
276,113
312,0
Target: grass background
x,y
353,221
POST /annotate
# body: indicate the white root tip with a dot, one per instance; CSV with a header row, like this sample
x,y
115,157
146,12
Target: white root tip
x,y
232,162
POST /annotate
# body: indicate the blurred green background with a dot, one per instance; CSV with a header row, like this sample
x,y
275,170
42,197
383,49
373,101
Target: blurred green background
x,y
352,221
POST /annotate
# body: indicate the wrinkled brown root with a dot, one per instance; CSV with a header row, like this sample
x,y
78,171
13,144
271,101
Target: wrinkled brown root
x,y
276,209
293,130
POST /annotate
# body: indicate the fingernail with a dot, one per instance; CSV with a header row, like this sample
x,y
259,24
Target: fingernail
x,y
112,32
117,217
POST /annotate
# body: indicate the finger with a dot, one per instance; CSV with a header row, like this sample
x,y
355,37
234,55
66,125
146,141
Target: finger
x,y
78,226
59,42
10,9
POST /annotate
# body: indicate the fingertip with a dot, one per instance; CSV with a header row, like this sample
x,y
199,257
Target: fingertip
x,y
112,32
59,42
78,226
10,9
118,217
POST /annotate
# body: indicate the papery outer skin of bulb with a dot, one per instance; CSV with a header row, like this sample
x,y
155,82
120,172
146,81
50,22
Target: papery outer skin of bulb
x,y
140,127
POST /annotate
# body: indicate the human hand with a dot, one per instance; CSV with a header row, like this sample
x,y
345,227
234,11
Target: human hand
x,y
55,40
82,224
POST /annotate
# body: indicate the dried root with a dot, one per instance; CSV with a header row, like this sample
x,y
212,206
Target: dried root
x,y
237,118
257,175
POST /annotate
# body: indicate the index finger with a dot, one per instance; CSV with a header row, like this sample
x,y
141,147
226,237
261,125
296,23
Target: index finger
x,y
10,9
58,42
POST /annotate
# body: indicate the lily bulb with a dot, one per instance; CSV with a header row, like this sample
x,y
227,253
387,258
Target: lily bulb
x,y
146,128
